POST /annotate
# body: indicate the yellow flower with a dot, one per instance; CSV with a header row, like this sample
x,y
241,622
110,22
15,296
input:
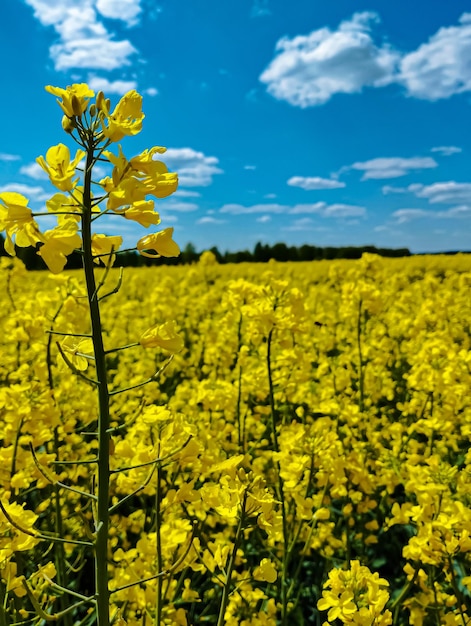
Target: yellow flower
x,y
265,571
60,242
78,351
133,180
162,336
58,166
74,98
126,118
143,212
105,245
17,219
161,242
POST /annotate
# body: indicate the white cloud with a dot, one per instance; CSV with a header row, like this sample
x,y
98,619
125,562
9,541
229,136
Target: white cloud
x,y
81,53
304,223
151,91
309,69
250,167
186,193
393,167
446,150
207,219
124,10
463,210
171,205
449,192
194,169
406,215
239,209
270,196
84,41
343,211
387,189
440,68
99,83
263,219
318,208
9,157
34,194
310,183
34,170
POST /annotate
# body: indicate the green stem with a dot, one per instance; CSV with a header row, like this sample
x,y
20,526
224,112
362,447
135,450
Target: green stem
x,y
286,552
230,567
103,480
361,373
158,529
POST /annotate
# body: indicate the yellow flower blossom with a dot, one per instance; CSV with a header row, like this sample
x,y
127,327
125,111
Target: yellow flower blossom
x,y
265,571
16,219
58,244
78,351
104,246
74,98
161,243
59,167
162,336
143,212
126,118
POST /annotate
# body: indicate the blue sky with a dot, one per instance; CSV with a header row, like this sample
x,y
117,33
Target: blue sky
x,y
327,123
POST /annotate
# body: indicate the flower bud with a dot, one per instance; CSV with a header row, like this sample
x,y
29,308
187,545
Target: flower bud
x,y
92,110
100,101
68,124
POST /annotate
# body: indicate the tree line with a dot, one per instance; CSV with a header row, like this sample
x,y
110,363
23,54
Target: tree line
x,y
260,254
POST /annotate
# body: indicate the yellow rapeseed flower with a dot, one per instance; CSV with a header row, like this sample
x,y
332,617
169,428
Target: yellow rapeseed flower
x,y
126,118
161,243
59,167
162,336
74,98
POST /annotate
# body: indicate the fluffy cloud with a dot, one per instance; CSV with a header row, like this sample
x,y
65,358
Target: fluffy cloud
x,y
98,83
314,182
124,10
84,41
440,67
406,215
34,170
150,91
186,193
195,169
81,53
34,194
446,150
393,167
309,69
207,219
318,208
239,209
449,192
9,157
172,205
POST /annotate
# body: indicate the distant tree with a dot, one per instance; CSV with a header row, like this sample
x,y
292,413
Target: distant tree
x,y
217,254
189,254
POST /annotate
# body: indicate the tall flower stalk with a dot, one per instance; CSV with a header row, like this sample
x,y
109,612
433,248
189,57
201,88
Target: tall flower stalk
x,y
78,204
